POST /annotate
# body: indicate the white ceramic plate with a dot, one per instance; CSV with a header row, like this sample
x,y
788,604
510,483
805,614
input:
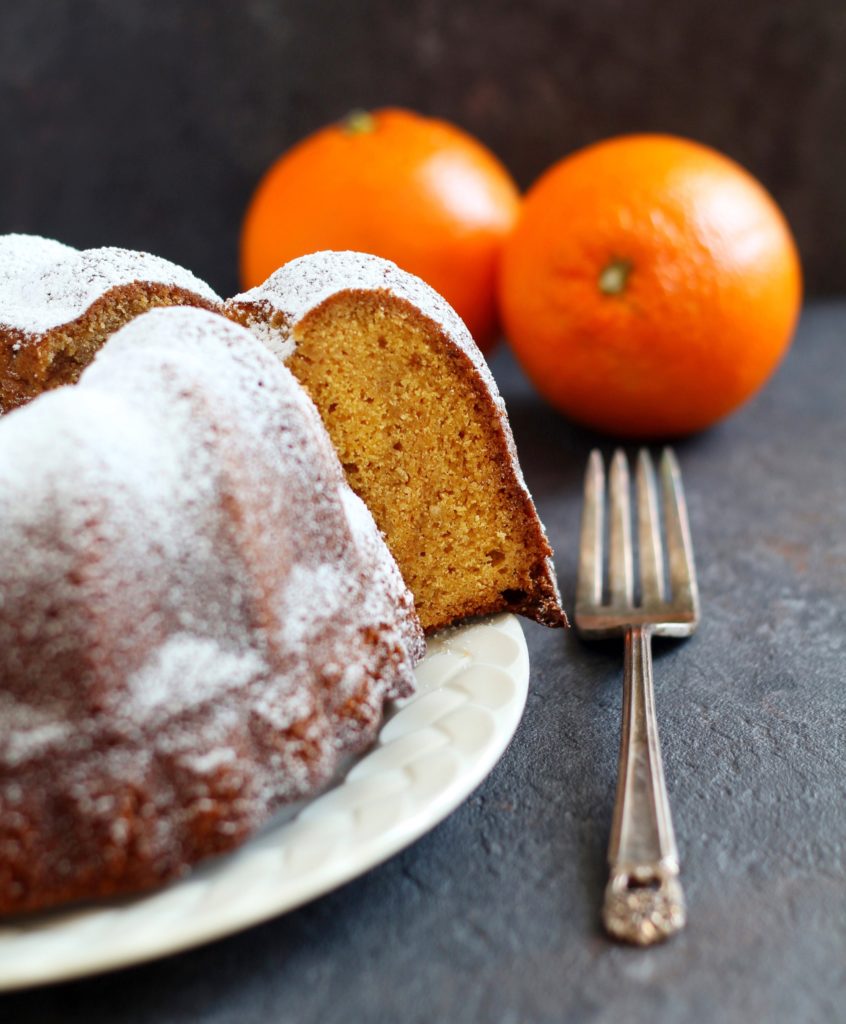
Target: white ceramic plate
x,y
432,752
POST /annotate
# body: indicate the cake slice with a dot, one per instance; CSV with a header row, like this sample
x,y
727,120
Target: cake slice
x,y
420,428
58,305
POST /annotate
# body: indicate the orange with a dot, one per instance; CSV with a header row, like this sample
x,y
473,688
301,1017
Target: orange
x,y
412,189
650,287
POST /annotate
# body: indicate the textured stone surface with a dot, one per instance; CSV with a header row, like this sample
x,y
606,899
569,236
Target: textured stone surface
x,y
148,125
494,915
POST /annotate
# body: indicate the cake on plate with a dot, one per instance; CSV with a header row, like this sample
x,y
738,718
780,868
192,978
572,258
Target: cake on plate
x,y
419,426
58,305
199,619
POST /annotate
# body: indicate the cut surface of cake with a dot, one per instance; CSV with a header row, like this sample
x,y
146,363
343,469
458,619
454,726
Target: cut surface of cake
x,y
198,618
420,429
58,305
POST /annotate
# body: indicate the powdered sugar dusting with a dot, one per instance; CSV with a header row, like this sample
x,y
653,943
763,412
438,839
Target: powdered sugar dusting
x,y
187,668
189,593
370,542
44,283
304,283
277,339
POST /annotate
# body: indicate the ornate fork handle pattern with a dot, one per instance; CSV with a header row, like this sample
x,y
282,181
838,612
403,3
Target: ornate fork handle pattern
x,y
644,901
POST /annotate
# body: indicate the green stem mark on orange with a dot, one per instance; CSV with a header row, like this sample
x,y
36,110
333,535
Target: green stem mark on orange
x,y
359,122
614,277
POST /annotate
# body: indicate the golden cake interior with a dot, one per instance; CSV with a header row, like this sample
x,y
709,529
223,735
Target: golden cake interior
x,y
421,442
60,355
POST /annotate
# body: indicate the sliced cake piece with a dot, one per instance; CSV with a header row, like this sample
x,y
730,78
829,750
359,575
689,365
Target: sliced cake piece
x,y
420,429
58,306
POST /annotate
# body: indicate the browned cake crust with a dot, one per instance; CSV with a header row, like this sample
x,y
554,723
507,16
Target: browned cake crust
x,y
58,306
33,363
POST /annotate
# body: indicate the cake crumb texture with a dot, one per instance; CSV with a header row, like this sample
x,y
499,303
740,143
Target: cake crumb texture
x,y
420,429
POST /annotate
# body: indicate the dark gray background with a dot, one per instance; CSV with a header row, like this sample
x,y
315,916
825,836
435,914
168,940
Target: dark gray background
x,y
148,124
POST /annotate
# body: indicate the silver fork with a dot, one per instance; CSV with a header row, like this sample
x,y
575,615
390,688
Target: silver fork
x,y
644,902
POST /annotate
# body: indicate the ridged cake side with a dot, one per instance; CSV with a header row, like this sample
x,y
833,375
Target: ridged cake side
x,y
198,617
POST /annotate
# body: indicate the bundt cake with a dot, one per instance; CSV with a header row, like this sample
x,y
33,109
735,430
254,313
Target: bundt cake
x,y
420,428
198,618
58,306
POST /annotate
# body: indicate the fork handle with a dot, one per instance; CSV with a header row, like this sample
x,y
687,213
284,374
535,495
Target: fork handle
x,y
643,902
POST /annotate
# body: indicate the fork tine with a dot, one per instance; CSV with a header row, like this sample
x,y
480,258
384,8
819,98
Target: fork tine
x,y
589,586
649,533
683,586
620,572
